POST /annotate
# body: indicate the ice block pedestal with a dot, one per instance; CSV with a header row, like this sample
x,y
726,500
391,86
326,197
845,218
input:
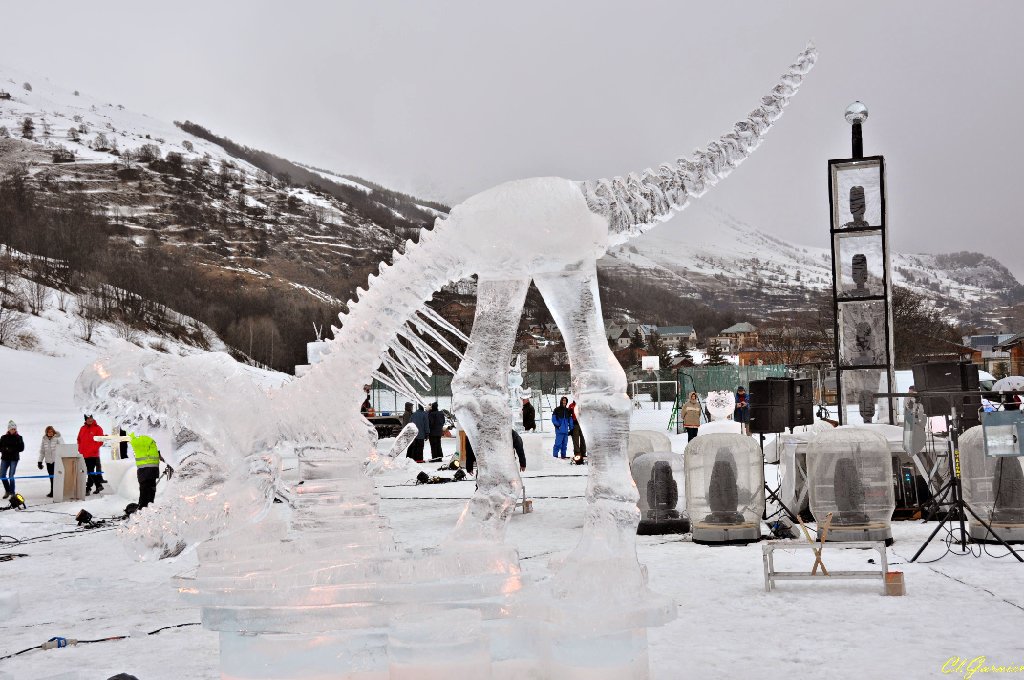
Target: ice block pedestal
x,y
327,595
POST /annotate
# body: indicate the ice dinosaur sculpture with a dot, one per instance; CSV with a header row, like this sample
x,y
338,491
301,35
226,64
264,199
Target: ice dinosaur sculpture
x,y
548,230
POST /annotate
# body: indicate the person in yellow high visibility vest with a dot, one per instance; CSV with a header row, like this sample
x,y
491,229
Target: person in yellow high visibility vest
x,y
147,467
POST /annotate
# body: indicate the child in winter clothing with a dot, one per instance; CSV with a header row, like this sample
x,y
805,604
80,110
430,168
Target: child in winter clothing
x,y
48,453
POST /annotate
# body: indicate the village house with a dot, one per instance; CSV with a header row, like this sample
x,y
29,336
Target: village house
x,y
736,337
670,336
1014,347
990,356
621,335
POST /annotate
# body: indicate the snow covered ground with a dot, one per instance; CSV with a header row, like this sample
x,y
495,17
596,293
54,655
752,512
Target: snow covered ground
x,y
82,584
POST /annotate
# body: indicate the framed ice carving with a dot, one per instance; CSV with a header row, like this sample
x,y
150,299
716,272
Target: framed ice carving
x,y
1003,431
858,196
859,389
861,263
862,333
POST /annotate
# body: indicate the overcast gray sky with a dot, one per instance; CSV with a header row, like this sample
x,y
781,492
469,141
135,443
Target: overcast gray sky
x,y
444,99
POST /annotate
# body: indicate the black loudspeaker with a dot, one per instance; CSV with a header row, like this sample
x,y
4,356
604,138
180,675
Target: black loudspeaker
x,y
801,403
970,405
950,376
943,376
770,405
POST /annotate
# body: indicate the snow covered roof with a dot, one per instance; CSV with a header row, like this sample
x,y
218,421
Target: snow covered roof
x,y
675,330
986,342
741,327
1012,340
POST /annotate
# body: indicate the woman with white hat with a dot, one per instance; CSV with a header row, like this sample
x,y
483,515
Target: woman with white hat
x,y
48,453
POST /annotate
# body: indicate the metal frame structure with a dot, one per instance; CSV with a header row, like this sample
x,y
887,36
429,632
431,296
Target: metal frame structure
x,y
841,300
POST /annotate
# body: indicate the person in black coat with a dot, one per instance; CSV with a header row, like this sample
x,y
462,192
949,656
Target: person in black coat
x,y
529,416
422,422
517,447
436,421
11,446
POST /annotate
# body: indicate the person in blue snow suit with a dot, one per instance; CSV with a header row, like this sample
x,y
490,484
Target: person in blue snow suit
x,y
561,418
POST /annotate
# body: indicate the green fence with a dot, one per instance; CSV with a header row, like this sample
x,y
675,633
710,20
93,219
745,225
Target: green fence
x,y
702,379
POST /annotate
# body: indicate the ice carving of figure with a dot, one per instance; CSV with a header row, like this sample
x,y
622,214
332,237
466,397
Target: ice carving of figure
x,y
515,381
866,405
863,343
723,493
720,404
859,267
849,492
662,492
858,205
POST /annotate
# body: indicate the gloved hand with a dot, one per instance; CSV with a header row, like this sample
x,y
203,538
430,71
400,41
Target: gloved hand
x,y
39,464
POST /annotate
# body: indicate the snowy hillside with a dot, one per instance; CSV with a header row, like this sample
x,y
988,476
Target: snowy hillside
x,y
107,146
720,254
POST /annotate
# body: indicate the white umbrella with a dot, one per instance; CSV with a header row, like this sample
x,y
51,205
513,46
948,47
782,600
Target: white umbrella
x,y
1010,382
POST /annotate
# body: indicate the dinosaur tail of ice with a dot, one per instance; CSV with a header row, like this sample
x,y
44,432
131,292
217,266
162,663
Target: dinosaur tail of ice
x,y
381,329
635,203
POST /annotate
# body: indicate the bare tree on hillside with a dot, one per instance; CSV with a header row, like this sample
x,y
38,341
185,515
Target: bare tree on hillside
x,y
62,299
12,321
126,331
88,314
38,293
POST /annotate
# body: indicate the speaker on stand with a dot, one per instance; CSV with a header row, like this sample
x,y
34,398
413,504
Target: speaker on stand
x,y
770,405
801,402
950,376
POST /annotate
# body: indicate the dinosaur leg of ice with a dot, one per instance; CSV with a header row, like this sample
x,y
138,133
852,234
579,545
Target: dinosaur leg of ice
x,y
480,400
609,530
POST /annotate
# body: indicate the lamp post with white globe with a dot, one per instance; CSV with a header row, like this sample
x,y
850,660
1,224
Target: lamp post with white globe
x,y
856,114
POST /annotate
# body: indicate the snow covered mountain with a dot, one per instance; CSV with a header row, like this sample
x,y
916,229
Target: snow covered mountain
x,y
722,259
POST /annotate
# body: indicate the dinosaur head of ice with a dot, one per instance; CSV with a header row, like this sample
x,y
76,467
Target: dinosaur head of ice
x,y
527,227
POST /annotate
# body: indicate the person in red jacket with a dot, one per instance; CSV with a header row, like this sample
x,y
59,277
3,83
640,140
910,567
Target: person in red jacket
x,y
89,448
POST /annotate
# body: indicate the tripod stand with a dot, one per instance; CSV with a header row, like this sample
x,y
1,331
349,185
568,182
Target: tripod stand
x,y
773,495
956,515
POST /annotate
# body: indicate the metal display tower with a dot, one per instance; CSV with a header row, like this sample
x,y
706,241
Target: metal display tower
x,y
860,277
